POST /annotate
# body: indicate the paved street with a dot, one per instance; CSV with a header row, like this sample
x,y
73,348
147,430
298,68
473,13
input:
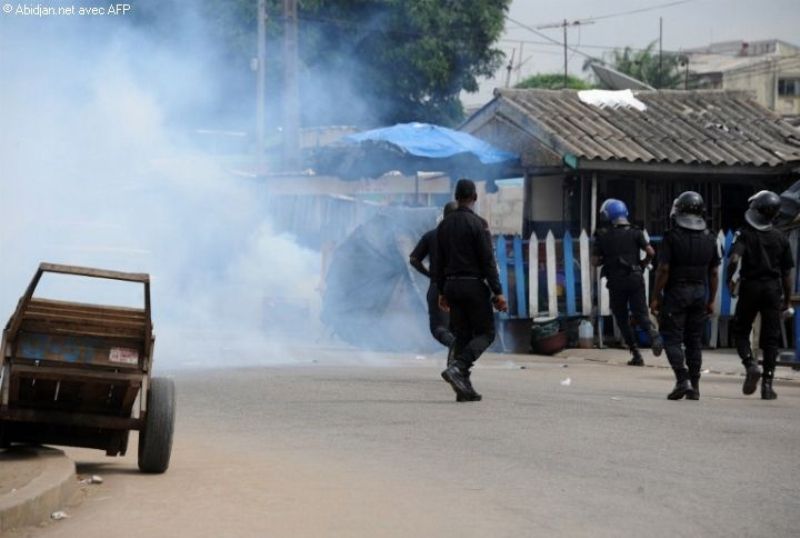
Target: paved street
x,y
348,449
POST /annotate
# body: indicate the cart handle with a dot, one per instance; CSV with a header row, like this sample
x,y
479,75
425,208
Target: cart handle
x,y
89,271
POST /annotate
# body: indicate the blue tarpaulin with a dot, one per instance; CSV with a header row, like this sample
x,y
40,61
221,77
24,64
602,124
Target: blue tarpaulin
x,y
415,147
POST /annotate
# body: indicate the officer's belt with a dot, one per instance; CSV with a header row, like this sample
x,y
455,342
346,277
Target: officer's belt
x,y
463,277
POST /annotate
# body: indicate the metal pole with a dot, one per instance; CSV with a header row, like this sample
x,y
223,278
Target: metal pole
x,y
660,52
291,105
261,78
565,54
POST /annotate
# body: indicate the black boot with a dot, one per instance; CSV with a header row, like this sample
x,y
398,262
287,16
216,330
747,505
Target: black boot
x,y
451,354
766,387
752,374
682,385
458,377
474,397
637,359
694,394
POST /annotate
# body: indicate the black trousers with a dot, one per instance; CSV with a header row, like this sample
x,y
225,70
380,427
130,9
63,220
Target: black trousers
x,y
764,297
626,294
471,318
682,320
438,319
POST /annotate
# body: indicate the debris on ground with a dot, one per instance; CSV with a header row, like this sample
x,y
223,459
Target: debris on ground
x,y
94,479
59,515
566,382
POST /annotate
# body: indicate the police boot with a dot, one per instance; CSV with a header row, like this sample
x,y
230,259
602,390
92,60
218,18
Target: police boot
x,y
766,387
458,377
682,386
752,374
474,397
451,355
637,359
694,394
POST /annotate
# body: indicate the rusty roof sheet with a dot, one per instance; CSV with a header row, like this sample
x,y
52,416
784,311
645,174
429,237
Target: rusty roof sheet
x,y
678,127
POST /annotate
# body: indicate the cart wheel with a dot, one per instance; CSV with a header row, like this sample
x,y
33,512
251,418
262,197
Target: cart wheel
x,y
155,439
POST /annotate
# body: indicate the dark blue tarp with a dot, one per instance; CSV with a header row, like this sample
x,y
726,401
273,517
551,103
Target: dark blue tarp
x,y
373,299
415,147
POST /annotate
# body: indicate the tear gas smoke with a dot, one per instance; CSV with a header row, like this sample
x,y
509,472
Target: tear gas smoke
x,y
95,173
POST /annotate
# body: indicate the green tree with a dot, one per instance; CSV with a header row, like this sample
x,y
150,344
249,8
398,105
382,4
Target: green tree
x,y
645,65
403,60
554,81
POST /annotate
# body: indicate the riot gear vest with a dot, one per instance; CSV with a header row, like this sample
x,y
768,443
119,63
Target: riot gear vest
x,y
620,248
690,254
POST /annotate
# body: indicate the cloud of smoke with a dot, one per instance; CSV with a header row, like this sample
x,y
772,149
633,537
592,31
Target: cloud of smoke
x,y
96,171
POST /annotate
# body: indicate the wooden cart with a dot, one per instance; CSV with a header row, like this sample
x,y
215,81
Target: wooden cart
x,y
71,374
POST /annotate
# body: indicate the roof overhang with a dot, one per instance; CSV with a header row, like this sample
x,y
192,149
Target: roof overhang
x,y
644,168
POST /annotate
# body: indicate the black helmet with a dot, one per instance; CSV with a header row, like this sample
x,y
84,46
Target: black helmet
x,y
689,211
764,207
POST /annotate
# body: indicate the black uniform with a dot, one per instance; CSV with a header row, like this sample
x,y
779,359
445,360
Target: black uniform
x,y
766,260
438,319
691,255
619,247
466,274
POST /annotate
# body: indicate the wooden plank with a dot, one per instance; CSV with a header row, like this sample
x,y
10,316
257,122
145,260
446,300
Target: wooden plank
x,y
74,374
72,330
714,332
84,319
89,307
569,273
502,265
94,273
519,278
586,274
552,292
62,418
533,275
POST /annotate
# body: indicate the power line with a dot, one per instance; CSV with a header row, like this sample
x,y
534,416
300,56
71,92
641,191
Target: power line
x,y
640,10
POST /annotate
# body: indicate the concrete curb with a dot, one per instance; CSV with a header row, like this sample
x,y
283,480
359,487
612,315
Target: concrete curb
x,y
50,490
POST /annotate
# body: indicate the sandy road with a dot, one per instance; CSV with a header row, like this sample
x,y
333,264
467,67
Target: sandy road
x,y
355,451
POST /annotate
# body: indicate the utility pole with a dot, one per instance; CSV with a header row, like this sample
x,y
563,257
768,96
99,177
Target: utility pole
x,y
291,101
261,78
509,67
566,73
660,52
564,25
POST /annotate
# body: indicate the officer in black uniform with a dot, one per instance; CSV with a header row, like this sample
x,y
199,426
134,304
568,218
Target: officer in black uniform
x,y
688,274
439,320
617,247
466,275
765,287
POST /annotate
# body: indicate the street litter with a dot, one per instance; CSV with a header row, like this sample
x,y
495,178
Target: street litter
x,y
566,382
59,515
565,365
94,479
420,357
616,398
706,371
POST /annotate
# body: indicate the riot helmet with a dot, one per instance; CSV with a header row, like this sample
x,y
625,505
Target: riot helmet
x,y
764,207
689,211
614,211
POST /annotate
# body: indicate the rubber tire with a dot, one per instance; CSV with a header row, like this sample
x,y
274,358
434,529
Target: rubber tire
x,y
155,439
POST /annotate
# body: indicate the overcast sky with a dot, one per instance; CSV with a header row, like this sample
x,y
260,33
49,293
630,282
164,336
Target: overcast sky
x,y
691,24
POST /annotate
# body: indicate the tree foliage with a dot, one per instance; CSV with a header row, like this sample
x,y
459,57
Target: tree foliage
x,y
554,81
645,65
402,60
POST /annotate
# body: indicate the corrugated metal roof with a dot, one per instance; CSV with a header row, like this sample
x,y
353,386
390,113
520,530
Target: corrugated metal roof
x,y
678,127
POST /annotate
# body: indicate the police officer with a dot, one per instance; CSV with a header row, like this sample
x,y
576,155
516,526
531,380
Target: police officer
x,y
617,247
688,275
765,287
438,319
466,275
